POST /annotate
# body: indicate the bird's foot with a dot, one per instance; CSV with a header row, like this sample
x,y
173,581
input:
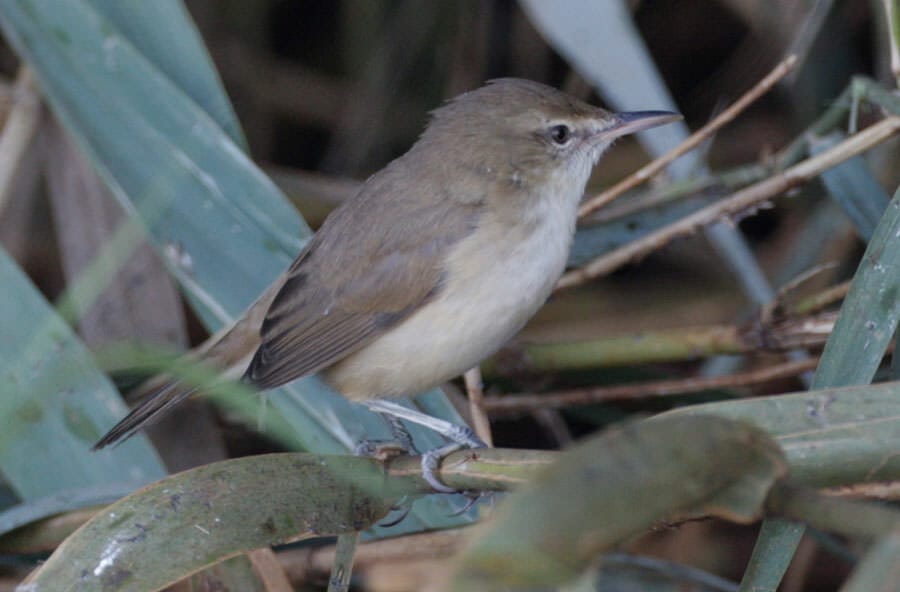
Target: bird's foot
x,y
460,437
383,451
471,498
380,450
404,506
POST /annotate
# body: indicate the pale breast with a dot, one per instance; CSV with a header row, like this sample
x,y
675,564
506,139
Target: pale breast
x,y
496,279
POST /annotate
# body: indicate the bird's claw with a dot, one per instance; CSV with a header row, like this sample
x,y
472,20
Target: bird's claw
x,y
404,506
431,463
380,450
471,498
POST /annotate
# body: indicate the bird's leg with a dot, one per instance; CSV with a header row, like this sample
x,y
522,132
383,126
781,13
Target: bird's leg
x,y
399,432
460,437
401,441
458,434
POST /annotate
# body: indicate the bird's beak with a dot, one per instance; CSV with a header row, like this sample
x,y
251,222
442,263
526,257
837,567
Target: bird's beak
x,y
630,122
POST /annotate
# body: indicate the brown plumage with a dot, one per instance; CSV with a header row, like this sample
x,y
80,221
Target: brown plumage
x,y
438,259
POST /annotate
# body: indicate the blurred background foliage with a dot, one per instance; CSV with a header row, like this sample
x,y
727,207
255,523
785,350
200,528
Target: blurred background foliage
x,y
326,93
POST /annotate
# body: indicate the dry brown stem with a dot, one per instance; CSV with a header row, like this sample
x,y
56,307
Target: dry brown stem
x,y
737,203
19,132
648,171
475,390
660,388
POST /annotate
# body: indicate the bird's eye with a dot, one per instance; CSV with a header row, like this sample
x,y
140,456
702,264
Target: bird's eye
x,y
560,134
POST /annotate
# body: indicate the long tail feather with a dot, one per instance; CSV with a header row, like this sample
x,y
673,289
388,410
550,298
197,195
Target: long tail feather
x,y
151,409
229,352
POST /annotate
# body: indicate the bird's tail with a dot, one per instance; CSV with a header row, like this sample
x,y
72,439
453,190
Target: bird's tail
x,y
228,352
151,408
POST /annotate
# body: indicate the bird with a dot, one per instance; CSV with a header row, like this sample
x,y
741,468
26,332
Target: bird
x,y
435,263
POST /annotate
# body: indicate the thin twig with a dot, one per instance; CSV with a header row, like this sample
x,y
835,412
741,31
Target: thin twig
x,y
475,390
697,138
765,332
19,131
741,201
852,518
269,570
779,301
885,491
727,180
861,87
820,301
661,388
893,24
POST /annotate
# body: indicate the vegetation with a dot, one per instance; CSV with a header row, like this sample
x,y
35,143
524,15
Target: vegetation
x,y
720,346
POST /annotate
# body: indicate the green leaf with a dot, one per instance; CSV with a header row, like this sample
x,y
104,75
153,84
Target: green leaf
x,y
199,196
852,354
830,437
772,555
194,519
163,32
616,485
55,402
70,499
869,315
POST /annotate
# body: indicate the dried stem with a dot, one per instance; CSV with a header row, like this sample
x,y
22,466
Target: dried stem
x,y
823,299
475,390
697,138
739,202
660,388
670,345
269,570
19,131
884,491
893,25
830,513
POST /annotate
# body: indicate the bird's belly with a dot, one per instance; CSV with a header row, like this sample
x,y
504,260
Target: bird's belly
x,y
482,304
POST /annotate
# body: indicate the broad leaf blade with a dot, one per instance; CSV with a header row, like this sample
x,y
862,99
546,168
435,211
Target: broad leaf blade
x,y
163,32
194,519
55,402
870,312
852,354
617,485
830,437
161,153
71,499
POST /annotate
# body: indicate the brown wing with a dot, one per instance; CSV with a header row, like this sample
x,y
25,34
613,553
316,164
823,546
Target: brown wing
x,y
376,260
